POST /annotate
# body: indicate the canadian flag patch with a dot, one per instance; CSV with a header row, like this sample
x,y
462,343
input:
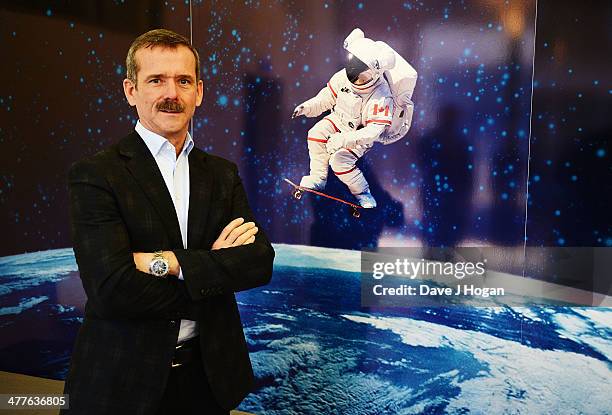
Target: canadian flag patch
x,y
380,110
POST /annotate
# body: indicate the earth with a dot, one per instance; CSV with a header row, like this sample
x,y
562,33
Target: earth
x,y
315,350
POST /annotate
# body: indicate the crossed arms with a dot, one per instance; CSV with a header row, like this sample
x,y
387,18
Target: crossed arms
x,y
236,233
114,285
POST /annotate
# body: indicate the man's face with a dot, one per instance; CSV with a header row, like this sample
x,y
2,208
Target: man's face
x,y
167,92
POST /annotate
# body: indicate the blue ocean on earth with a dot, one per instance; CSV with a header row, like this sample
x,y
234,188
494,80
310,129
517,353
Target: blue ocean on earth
x,y
315,350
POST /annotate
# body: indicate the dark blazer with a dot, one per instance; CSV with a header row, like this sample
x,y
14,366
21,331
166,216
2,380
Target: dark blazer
x,y
120,204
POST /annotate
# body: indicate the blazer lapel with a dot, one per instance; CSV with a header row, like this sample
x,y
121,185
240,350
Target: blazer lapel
x,y
200,189
143,167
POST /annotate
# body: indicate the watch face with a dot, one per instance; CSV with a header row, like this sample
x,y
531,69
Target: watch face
x,y
159,267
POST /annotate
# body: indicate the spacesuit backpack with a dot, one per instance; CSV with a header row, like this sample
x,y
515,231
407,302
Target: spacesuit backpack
x,y
402,80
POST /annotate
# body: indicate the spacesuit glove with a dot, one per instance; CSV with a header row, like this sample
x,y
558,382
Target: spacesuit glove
x,y
352,142
301,109
335,142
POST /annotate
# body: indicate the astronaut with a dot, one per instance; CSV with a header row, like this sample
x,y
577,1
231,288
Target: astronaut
x,y
361,105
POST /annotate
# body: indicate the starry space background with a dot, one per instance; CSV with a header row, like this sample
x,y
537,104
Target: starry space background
x,y
478,145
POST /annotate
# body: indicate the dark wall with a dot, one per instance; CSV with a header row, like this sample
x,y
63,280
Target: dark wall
x,y
571,168
459,177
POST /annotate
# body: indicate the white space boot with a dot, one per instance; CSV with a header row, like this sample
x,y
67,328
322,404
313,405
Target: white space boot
x,y
313,182
366,200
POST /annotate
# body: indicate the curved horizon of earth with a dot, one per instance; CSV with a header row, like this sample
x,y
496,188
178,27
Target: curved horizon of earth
x,y
316,350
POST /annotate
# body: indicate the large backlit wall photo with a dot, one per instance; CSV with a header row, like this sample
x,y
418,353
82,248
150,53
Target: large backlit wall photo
x,y
507,151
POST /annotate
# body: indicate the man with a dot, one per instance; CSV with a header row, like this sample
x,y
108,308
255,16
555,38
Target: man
x,y
163,237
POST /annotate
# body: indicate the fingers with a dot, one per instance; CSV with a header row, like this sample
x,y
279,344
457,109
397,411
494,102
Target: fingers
x,y
221,241
230,227
297,111
242,239
237,232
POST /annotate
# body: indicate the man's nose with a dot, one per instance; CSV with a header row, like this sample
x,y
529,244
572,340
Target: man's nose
x,y
171,90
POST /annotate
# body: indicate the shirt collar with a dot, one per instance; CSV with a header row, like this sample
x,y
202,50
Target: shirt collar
x,y
156,142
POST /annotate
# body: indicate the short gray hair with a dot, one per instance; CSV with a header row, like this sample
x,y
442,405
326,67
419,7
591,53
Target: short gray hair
x,y
158,37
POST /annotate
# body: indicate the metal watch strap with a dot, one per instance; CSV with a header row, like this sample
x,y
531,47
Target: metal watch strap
x,y
160,255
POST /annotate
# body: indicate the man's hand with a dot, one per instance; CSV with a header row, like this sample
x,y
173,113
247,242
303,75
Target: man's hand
x,y
236,233
142,260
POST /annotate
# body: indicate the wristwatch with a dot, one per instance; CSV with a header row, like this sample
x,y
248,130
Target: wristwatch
x,y
159,266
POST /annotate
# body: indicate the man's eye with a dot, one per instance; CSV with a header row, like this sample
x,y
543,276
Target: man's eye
x,y
185,81
154,81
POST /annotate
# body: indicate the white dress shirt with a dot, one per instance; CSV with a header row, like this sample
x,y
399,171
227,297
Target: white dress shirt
x,y
175,171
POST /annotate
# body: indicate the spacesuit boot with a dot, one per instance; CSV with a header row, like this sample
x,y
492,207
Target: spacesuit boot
x,y
366,200
313,182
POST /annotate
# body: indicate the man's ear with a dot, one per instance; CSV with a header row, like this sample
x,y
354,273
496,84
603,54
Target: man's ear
x,y
200,93
129,88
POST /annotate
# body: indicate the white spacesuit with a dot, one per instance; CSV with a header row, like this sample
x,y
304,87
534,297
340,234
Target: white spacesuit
x,y
361,105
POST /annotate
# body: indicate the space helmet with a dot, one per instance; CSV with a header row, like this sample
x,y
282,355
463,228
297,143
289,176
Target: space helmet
x,y
367,60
